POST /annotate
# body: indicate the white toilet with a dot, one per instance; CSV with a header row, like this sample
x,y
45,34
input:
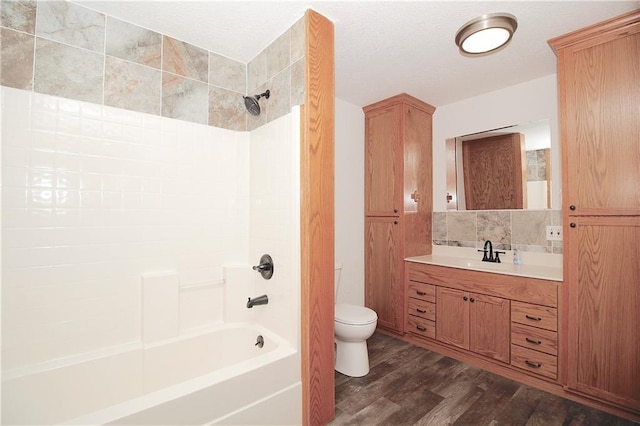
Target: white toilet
x,y
353,326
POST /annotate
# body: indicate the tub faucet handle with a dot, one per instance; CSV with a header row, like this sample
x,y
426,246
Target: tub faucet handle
x,y
265,268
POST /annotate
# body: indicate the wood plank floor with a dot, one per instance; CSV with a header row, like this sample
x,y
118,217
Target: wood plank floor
x,y
409,385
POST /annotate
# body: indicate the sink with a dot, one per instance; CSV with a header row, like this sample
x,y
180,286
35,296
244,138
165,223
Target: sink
x,y
479,264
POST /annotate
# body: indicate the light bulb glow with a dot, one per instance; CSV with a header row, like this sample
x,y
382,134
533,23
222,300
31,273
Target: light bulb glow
x,y
485,40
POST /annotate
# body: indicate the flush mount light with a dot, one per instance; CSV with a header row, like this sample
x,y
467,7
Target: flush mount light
x,y
486,33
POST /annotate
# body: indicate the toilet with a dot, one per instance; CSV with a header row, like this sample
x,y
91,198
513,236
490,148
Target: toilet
x,y
353,326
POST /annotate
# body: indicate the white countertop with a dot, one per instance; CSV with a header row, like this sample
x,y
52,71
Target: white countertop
x,y
535,265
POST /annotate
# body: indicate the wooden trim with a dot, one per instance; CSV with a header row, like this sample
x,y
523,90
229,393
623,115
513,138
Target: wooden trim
x,y
317,223
601,32
398,99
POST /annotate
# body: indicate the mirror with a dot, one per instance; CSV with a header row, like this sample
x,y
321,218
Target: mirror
x,y
507,168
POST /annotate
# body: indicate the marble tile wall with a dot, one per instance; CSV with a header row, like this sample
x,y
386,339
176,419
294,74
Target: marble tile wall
x,y
67,50
507,229
537,164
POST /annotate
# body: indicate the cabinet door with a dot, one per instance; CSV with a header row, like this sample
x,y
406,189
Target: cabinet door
x,y
602,126
489,326
384,292
452,317
383,156
603,279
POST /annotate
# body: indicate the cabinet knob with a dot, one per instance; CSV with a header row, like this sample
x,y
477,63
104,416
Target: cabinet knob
x,y
572,207
572,224
465,298
472,300
395,210
395,222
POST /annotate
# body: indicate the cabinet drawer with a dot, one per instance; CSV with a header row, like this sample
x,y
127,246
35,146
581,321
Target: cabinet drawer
x,y
421,326
422,309
421,291
534,338
534,315
534,361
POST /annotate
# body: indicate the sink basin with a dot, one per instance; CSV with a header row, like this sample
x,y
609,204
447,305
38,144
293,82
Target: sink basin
x,y
479,264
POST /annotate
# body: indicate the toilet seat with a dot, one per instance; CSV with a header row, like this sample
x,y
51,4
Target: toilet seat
x,y
354,315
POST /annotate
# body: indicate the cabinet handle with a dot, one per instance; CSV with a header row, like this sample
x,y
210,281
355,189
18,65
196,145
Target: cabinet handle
x,y
422,311
533,364
533,342
421,293
395,222
464,298
572,224
472,300
395,210
421,328
533,318
572,207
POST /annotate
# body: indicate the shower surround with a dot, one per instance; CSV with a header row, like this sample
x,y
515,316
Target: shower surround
x,y
128,157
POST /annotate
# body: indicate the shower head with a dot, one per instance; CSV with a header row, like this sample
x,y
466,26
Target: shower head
x,y
251,102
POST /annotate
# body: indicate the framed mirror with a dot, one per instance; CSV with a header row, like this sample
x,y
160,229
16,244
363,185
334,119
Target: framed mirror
x,y
505,168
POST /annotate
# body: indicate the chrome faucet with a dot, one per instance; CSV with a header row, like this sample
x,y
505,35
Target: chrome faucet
x,y
260,300
490,257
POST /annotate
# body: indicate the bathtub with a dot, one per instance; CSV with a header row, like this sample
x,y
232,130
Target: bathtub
x,y
215,377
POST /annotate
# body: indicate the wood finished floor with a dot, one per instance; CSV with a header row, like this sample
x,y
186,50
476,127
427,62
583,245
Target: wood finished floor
x,y
409,385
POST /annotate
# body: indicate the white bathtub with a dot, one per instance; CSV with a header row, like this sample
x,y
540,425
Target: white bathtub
x,y
215,377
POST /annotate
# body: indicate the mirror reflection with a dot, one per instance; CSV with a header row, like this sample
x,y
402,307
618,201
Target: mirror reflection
x,y
506,168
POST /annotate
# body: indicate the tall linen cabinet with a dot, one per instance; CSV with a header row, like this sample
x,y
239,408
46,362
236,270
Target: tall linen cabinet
x,y
599,94
398,200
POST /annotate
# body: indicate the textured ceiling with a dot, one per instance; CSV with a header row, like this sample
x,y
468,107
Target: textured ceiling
x,y
382,47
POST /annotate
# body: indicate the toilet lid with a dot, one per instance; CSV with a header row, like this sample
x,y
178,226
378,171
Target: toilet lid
x,y
352,314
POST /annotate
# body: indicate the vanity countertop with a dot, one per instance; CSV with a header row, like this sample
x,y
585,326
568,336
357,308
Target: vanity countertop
x,y
551,272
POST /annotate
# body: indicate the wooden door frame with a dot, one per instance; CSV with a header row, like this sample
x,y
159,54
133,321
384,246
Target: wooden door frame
x,y
317,128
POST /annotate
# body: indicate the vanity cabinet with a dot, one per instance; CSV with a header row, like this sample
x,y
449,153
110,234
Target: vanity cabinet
x,y
599,93
509,320
398,200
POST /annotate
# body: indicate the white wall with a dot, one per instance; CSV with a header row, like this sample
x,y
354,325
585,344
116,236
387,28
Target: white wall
x,y
349,201
275,222
530,101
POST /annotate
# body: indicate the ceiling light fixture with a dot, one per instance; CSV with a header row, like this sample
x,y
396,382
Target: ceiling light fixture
x,y
486,34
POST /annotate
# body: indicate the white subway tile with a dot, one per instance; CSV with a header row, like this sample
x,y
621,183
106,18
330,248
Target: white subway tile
x,y
15,176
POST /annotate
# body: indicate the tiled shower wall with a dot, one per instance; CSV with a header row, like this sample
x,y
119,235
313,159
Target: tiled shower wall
x,y
507,229
95,197
63,49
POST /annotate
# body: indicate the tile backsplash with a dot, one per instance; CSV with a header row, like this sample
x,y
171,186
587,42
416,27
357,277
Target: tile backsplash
x,y
64,49
507,229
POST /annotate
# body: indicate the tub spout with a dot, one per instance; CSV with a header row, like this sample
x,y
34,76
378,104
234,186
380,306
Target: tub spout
x,y
260,300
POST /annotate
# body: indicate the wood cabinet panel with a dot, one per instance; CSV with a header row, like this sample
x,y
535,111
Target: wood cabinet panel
x,y
421,327
421,291
534,338
452,317
535,315
384,291
383,156
534,361
604,340
489,326
603,136
420,308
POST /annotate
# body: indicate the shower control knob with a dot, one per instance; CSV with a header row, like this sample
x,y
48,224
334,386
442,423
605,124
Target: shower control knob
x,y
265,267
